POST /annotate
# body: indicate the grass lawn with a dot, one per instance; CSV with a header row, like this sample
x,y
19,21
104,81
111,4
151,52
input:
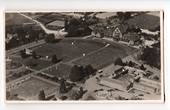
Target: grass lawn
x,y
15,19
66,50
102,58
37,63
145,21
69,49
31,88
62,70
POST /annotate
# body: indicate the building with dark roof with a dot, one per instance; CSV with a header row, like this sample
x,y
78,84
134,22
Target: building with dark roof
x,y
119,31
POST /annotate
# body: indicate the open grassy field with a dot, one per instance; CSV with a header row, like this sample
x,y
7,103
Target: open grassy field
x,y
145,21
102,58
71,52
46,18
31,88
15,19
97,54
69,49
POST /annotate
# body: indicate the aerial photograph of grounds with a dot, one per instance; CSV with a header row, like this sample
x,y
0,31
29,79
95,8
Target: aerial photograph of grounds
x,y
83,56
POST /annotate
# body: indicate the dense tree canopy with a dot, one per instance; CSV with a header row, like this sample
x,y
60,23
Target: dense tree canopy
x,y
151,56
88,70
22,35
76,73
76,27
124,15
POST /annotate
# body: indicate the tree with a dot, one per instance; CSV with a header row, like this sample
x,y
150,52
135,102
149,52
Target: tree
x,y
156,78
81,92
74,95
127,15
131,64
55,79
23,53
89,69
62,86
76,27
76,74
124,15
129,86
34,54
50,38
118,61
120,15
66,23
142,67
41,95
54,59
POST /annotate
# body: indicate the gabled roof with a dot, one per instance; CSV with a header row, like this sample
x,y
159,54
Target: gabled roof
x,y
123,28
58,23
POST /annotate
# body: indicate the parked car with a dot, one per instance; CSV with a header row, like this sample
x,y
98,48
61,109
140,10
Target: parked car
x,y
100,71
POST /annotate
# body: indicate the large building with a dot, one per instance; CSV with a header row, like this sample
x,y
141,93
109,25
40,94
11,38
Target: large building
x,y
147,85
114,83
56,25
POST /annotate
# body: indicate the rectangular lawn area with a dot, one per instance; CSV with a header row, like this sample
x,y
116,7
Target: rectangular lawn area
x,y
101,58
37,64
62,71
31,88
68,49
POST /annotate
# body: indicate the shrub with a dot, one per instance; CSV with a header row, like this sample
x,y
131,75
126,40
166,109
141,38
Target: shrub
x,y
41,95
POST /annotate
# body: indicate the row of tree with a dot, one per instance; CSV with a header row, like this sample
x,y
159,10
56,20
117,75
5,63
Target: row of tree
x,y
22,36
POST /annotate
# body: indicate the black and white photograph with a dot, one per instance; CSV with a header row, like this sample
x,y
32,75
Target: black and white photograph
x,y
84,56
